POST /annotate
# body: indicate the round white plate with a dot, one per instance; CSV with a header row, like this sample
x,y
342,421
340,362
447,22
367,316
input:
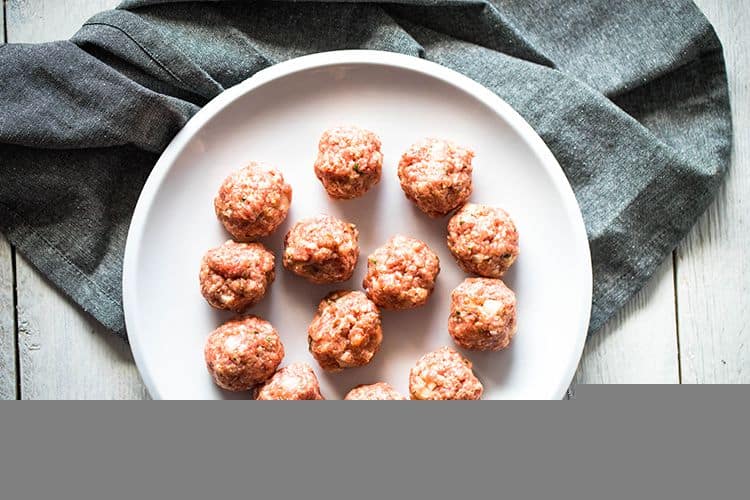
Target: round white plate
x,y
277,116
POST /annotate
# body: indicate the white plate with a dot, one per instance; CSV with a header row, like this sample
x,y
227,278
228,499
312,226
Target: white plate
x,y
277,116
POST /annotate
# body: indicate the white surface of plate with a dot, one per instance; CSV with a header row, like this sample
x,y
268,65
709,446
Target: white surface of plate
x,y
277,116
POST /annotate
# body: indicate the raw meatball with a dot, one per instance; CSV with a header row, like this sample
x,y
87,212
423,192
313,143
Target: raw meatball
x,y
381,391
401,274
242,353
483,240
322,249
234,276
436,175
345,332
294,382
483,314
349,161
253,201
444,374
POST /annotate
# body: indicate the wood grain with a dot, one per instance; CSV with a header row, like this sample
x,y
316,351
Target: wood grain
x,y
713,263
7,323
639,346
63,353
48,20
7,305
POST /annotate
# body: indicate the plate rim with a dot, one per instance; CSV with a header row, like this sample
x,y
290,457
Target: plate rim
x,y
335,58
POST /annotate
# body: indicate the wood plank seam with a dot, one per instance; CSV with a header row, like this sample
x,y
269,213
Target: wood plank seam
x,y
676,315
5,24
15,321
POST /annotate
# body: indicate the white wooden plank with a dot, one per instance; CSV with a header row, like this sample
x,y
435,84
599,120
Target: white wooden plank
x,y
7,305
7,322
713,264
47,20
63,353
639,345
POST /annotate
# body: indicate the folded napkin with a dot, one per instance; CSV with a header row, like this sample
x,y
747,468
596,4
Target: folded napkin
x,y
631,97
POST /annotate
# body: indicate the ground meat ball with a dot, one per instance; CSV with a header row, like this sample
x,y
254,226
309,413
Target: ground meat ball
x,y
381,391
242,353
349,161
322,249
444,374
345,332
294,382
401,274
253,201
483,314
483,240
436,175
234,276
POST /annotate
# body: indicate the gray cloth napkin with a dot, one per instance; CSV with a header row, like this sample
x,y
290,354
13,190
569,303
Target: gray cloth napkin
x,y
631,97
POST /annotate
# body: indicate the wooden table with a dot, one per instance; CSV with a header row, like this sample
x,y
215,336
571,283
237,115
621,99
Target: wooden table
x,y
691,324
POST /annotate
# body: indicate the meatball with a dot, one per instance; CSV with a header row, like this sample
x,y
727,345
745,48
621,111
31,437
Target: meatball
x,y
483,314
401,274
483,240
349,162
322,249
444,374
345,331
242,353
381,391
253,202
294,382
436,175
235,276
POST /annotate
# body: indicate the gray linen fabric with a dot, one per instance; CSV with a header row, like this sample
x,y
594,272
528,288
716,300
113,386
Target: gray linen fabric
x,y
631,97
